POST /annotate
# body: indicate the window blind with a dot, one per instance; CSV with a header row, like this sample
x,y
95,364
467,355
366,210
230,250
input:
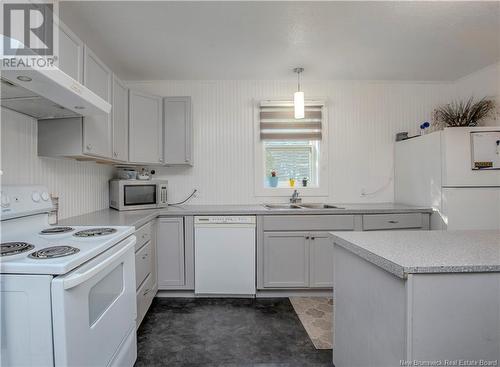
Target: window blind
x,y
277,121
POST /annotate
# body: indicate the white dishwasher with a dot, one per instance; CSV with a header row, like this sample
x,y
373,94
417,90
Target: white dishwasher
x,y
224,255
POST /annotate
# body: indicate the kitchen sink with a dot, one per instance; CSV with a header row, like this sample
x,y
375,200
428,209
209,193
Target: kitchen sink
x,y
300,206
282,206
320,206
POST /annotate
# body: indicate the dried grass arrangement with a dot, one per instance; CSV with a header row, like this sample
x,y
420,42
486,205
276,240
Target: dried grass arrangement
x,y
463,113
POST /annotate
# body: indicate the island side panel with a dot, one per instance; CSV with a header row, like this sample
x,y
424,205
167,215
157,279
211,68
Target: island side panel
x,y
454,316
369,313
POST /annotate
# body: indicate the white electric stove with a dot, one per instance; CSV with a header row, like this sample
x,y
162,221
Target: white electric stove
x,y
67,293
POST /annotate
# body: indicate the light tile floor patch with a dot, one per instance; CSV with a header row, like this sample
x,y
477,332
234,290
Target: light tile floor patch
x,y
316,315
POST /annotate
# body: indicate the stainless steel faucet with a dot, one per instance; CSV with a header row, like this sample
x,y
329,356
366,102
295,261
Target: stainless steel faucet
x,y
295,197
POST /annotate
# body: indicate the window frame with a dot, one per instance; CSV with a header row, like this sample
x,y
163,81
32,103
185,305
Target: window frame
x,y
260,190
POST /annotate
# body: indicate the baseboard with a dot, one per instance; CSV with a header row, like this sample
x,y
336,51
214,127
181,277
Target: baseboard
x,y
277,293
175,294
295,293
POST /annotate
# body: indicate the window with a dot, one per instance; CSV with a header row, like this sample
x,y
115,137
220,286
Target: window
x,y
295,159
290,154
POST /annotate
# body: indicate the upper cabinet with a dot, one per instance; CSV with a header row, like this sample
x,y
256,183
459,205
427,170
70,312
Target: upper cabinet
x,y
178,131
141,129
97,129
120,120
70,53
145,128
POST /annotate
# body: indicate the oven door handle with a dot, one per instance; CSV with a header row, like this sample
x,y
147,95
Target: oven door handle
x,y
80,277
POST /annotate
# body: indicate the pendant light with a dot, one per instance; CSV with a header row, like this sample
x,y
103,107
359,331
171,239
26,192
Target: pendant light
x,y
298,97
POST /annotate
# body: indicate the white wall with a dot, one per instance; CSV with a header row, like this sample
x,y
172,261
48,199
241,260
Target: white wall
x,y
363,120
81,186
482,83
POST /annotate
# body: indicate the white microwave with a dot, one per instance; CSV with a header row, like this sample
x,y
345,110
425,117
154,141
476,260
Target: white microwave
x,y
137,194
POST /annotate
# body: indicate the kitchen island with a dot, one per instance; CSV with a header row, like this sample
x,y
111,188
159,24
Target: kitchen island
x,y
408,298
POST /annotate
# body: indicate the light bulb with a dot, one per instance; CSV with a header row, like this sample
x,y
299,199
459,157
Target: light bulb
x,y
298,104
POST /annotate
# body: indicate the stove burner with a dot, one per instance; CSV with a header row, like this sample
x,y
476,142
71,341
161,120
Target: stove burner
x,y
53,252
14,248
95,232
57,230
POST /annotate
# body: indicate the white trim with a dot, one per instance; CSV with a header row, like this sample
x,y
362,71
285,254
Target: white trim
x,y
323,174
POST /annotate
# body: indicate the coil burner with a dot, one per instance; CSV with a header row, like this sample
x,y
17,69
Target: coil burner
x,y
14,248
53,252
95,232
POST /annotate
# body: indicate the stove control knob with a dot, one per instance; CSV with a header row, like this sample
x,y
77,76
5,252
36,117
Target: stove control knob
x,y
45,196
5,201
35,196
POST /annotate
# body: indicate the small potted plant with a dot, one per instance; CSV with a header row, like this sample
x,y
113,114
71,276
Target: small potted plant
x,y
273,179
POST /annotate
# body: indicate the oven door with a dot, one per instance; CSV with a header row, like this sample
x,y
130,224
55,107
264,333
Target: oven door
x,y
139,196
94,310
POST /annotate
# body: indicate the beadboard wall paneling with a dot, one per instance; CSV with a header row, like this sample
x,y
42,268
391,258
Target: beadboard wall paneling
x,y
82,187
363,120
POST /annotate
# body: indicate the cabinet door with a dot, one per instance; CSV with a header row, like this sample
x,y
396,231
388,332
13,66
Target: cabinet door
x,y
120,120
170,252
178,126
321,260
97,129
70,53
286,260
146,133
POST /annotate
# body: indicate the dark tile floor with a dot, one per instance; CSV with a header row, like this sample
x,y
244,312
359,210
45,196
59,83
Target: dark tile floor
x,y
225,332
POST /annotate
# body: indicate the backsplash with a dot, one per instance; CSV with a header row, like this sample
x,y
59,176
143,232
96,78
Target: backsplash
x,y
81,186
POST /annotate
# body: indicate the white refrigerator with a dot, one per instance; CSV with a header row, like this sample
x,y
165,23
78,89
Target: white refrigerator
x,y
456,171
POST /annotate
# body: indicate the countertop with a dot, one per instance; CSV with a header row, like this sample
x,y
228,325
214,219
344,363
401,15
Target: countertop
x,y
138,218
411,252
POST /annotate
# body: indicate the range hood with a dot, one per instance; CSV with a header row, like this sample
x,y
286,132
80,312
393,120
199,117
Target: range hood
x,y
48,94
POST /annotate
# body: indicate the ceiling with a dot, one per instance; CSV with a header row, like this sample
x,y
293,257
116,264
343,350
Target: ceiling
x,y
160,40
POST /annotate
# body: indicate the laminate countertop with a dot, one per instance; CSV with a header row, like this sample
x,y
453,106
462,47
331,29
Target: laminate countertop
x,y
411,252
138,218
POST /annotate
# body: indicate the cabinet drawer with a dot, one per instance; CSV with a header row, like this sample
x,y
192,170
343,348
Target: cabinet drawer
x,y
308,222
145,295
392,221
143,263
143,235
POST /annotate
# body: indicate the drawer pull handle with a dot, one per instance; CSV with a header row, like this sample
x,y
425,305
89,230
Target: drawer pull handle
x,y
307,237
394,221
312,238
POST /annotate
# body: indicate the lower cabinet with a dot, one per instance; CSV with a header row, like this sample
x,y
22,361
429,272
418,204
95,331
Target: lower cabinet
x,y
295,252
297,260
286,260
175,259
320,261
145,268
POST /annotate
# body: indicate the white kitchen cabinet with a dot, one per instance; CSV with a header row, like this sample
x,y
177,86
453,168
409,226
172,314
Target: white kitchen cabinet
x,y
171,255
87,137
297,260
320,260
145,128
70,53
145,268
97,129
120,120
178,131
286,260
